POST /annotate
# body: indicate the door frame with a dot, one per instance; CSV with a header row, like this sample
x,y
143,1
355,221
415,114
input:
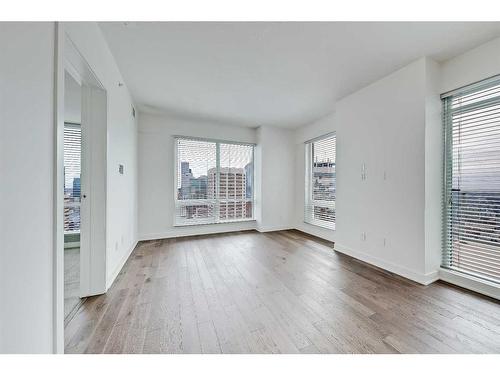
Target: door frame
x,y
94,119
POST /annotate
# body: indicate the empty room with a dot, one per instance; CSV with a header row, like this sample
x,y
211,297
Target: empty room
x,y
237,187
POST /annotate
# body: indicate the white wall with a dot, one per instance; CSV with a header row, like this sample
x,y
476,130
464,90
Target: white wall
x,y
433,168
121,207
275,153
157,168
382,125
26,187
472,66
26,258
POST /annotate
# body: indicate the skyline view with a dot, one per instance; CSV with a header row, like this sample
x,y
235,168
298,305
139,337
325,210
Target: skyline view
x,y
214,181
72,179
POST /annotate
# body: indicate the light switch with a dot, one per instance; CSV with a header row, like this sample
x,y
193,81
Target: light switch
x,y
120,168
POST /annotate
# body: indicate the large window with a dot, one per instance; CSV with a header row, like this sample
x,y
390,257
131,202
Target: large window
x,y
320,186
472,180
214,182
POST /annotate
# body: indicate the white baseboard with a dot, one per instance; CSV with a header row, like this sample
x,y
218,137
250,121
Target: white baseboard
x,y
112,277
273,229
326,234
198,230
470,282
424,279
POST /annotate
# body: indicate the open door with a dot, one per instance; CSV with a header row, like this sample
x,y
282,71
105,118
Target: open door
x,y
80,196
93,185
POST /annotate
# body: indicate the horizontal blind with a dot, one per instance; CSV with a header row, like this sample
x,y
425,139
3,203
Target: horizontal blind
x,y
472,181
214,182
195,201
72,171
235,182
321,182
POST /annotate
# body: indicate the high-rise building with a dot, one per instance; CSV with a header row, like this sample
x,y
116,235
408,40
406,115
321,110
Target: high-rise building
x,y
324,180
76,188
186,176
232,192
198,187
249,180
324,184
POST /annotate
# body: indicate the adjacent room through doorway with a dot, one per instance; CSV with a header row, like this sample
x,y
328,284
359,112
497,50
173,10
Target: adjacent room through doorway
x,y
72,195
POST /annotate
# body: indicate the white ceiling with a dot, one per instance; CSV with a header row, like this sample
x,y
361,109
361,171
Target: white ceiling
x,y
260,73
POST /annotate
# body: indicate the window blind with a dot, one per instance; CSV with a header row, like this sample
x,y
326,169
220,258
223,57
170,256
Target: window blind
x,y
472,180
214,182
320,186
72,170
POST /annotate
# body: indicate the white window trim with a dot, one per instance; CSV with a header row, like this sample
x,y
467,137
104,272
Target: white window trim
x,y
476,284
176,174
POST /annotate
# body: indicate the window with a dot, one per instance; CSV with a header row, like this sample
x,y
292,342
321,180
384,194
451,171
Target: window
x,y
472,180
72,168
320,182
214,182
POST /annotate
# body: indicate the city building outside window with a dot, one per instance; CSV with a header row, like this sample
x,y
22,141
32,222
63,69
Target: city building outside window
x,y
320,189
214,181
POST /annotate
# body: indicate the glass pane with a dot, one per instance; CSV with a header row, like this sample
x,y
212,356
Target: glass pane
x,y
196,169
473,183
72,171
196,182
236,182
323,184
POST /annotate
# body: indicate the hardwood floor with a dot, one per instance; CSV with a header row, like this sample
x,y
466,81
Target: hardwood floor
x,y
72,298
280,292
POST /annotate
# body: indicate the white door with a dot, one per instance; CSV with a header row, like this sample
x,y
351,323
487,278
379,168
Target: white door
x,y
93,185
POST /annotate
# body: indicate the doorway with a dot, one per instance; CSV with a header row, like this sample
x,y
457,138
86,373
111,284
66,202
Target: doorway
x,y
72,195
80,185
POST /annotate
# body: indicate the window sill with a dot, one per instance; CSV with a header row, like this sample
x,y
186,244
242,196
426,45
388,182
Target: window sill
x,y
215,224
473,283
321,226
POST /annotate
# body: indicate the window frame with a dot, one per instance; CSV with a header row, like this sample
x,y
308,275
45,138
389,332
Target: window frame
x,y
217,142
308,193
451,271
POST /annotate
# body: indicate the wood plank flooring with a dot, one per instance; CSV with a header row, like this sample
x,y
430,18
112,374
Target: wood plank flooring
x,y
279,292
